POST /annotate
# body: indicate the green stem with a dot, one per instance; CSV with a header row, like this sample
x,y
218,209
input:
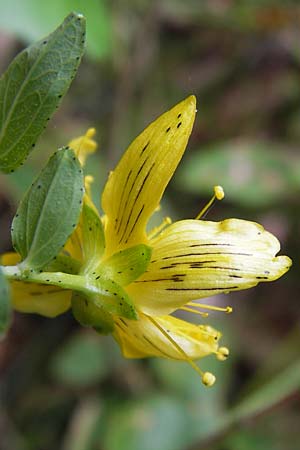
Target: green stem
x,y
63,280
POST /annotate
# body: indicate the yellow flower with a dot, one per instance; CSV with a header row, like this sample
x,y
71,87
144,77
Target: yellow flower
x,y
167,269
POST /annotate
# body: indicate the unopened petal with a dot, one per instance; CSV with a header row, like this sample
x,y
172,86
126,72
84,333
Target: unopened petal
x,y
49,301
164,337
84,145
134,189
194,259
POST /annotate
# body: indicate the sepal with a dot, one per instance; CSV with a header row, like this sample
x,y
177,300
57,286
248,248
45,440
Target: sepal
x,y
126,265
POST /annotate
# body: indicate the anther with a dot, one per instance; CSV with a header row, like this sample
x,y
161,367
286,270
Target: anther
x,y
218,195
222,353
208,379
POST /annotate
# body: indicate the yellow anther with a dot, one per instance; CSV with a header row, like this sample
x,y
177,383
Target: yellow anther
x,y
229,310
218,195
219,192
222,353
152,233
208,379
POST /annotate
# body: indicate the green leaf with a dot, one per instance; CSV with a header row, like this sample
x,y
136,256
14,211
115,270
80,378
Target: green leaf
x,y
50,210
5,305
126,265
81,361
90,315
32,87
271,393
155,422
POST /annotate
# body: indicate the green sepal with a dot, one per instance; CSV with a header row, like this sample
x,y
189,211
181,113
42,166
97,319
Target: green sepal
x,y
90,315
33,86
127,265
93,240
63,263
5,305
110,296
49,211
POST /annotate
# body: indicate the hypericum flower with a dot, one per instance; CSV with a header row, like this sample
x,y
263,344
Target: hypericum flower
x,y
130,280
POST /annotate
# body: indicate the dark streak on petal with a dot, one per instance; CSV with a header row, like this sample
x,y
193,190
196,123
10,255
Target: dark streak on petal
x,y
207,253
203,289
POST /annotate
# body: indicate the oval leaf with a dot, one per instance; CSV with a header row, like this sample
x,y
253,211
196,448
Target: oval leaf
x,y
32,88
5,305
50,210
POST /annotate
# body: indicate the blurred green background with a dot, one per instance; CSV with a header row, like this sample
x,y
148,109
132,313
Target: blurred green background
x,y
68,388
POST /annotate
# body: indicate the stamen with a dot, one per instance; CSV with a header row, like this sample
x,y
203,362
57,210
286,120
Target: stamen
x,y
222,353
152,233
218,195
203,314
207,378
227,309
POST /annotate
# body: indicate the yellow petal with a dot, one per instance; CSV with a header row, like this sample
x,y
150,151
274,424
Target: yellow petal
x,y
84,145
10,259
86,243
49,301
194,259
134,189
142,338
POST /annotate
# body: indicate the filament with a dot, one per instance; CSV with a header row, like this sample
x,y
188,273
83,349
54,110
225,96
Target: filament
x,y
152,233
218,195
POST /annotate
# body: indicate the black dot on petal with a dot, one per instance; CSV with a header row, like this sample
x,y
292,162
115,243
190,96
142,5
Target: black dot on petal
x,y
179,124
168,129
179,115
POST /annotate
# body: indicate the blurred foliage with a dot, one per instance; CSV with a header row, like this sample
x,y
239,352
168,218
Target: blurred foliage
x,y
72,390
32,19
